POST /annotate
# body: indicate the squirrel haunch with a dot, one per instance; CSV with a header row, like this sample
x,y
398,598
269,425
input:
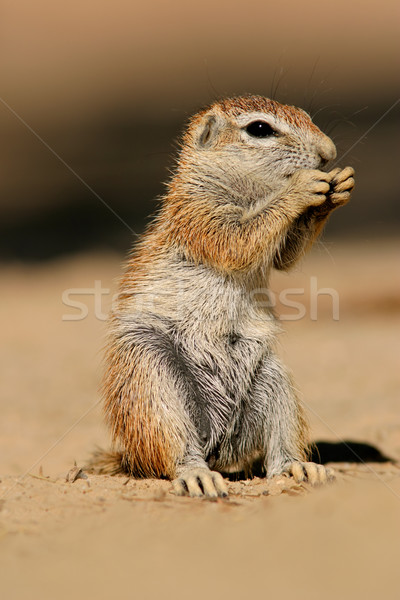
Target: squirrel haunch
x,y
192,382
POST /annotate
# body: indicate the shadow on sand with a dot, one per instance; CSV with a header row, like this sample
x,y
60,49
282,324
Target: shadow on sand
x,y
346,451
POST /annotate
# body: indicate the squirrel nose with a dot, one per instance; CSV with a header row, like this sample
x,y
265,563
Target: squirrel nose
x,y
326,149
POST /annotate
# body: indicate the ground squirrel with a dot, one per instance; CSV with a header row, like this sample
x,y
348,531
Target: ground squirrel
x,y
193,388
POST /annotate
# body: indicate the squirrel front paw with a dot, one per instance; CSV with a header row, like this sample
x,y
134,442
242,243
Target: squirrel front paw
x,y
200,482
310,187
341,186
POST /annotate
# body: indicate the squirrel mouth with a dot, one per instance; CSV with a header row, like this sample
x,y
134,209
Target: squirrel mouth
x,y
323,163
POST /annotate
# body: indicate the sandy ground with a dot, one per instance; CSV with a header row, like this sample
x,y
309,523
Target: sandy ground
x,y
104,537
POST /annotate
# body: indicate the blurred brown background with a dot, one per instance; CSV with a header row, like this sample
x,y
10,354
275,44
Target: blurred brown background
x,y
108,87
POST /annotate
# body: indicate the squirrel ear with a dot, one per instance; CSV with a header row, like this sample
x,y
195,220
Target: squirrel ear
x,y
208,131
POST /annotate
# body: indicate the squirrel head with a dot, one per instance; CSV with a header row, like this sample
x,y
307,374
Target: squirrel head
x,y
250,140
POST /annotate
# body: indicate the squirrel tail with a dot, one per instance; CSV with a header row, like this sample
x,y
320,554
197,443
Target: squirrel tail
x,y
103,462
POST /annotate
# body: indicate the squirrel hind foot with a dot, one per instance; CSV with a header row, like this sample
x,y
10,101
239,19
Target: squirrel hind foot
x,y
199,483
310,472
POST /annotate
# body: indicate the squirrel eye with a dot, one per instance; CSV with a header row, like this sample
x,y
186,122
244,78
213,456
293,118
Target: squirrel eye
x,y
260,129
